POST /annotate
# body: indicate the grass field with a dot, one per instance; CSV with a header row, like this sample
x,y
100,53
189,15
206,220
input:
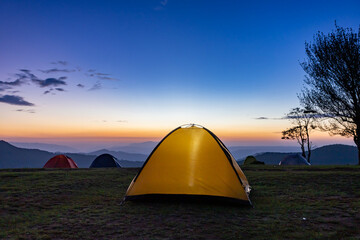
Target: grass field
x,y
289,203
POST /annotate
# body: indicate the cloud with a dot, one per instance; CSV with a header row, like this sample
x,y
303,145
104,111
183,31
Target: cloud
x,y
97,86
64,63
15,100
26,75
25,71
57,70
267,118
20,80
106,78
162,5
122,121
50,82
17,82
52,89
295,117
80,85
16,91
26,110
314,115
99,75
102,74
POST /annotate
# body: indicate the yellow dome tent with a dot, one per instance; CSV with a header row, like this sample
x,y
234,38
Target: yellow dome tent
x,y
190,162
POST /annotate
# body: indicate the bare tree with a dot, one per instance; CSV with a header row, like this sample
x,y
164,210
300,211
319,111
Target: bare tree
x,y
332,81
304,121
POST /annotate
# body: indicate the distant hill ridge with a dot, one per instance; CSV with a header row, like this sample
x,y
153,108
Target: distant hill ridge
x,y
121,155
44,146
15,157
336,154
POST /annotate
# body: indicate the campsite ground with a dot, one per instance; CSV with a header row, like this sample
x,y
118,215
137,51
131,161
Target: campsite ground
x,y
289,202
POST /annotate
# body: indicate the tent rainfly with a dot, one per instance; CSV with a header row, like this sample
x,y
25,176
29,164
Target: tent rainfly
x,y
190,162
294,159
60,161
105,161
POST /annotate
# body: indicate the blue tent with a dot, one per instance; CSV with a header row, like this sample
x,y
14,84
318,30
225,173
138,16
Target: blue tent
x,y
294,159
105,161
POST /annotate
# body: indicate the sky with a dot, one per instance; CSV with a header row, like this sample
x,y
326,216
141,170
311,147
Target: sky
x,y
114,72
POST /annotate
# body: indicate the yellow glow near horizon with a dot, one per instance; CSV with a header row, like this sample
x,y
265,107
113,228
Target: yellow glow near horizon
x,y
123,133
91,125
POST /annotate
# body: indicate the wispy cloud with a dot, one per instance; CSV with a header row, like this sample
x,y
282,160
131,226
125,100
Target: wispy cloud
x,y
64,63
15,91
161,6
107,78
315,115
26,75
96,86
17,82
50,82
15,100
294,117
26,110
99,75
57,70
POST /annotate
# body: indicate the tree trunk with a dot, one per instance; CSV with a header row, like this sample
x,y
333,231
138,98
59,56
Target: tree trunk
x,y
308,144
309,154
358,149
357,142
303,150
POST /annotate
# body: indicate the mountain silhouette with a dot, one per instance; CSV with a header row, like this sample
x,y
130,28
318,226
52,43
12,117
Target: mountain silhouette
x,y
336,154
15,157
121,155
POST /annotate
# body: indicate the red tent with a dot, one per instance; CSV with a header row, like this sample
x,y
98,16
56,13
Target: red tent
x,y
60,161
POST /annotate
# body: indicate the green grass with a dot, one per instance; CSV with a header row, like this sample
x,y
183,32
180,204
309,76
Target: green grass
x,y
289,203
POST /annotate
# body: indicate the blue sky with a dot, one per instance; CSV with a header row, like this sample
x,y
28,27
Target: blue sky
x,y
157,65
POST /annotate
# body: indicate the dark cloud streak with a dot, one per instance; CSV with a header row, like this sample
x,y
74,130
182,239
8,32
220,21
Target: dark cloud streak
x,y
15,100
56,70
64,63
99,75
25,110
17,82
50,82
